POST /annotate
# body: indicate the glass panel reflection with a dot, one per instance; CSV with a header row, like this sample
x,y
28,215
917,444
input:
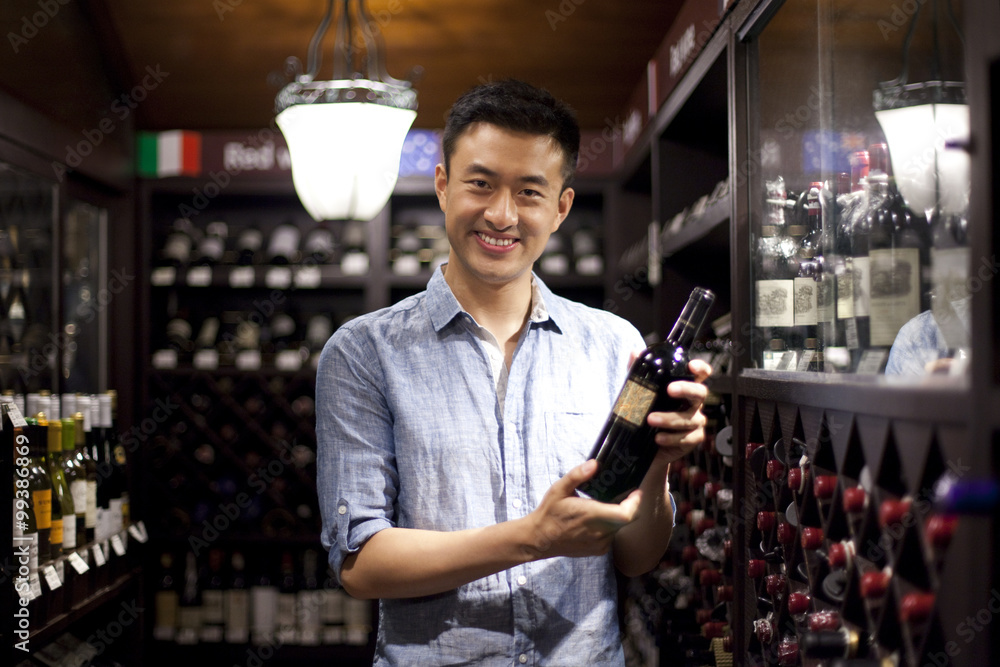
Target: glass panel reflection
x,y
859,239
83,311
28,345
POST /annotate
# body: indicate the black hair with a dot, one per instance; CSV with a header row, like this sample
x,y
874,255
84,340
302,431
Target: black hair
x,y
520,107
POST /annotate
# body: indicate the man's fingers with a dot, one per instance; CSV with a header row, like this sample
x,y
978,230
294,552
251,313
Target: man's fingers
x,y
700,370
567,484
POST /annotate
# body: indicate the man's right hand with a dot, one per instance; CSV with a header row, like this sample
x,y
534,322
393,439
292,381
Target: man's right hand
x,y
565,524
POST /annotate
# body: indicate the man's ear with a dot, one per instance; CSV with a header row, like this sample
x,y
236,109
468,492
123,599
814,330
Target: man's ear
x,y
565,204
441,185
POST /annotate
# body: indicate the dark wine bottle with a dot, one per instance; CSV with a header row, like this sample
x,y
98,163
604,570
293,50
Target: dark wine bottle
x,y
248,246
626,446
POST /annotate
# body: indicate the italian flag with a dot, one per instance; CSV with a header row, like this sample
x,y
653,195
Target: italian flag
x,y
171,153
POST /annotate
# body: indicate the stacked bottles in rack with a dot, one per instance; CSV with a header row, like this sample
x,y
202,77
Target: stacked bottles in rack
x,y
71,498
191,253
844,559
233,458
267,334
260,597
843,264
681,613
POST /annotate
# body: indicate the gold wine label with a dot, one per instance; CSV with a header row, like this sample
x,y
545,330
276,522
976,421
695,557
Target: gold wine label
x,y
43,508
634,402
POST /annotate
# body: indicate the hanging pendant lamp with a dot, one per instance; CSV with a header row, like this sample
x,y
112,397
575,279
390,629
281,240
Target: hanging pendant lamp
x,y
345,135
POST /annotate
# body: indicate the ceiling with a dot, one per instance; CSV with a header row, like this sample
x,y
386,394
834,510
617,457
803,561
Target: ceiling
x,y
220,62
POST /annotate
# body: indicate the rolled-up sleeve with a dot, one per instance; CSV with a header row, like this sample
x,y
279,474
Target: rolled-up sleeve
x,y
357,481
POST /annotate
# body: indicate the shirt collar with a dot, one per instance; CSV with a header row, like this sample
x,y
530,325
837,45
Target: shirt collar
x,y
443,307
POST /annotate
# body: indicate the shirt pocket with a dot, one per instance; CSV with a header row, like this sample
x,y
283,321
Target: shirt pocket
x,y
570,438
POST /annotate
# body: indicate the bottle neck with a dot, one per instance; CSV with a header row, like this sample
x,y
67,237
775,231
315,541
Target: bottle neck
x,y
691,319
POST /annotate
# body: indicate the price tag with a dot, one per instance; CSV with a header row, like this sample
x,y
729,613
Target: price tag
x,y
78,563
278,277
117,544
806,359
199,276
35,584
165,359
787,361
308,277
51,577
288,360
163,276
242,276
99,559
872,362
206,360
138,531
248,360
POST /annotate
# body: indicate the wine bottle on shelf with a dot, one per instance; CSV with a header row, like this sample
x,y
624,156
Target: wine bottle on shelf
x,y
587,260
179,244
83,456
354,261
318,246
626,445
309,601
237,603
774,274
555,258
166,601
263,609
119,460
212,245
319,328
117,493
874,280
76,479
213,616
248,246
405,252
854,272
810,273
104,483
62,498
40,489
287,631
189,609
898,245
283,246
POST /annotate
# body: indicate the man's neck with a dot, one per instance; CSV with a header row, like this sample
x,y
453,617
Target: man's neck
x,y
501,308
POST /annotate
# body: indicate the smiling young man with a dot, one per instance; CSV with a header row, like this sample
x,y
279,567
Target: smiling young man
x,y
453,426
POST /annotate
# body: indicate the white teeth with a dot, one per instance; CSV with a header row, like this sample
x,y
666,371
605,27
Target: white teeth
x,y
503,243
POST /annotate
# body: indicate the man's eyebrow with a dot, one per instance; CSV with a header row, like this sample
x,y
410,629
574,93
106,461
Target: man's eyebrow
x,y
480,169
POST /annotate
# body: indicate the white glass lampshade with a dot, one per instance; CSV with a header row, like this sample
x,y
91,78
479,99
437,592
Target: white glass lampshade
x,y
927,172
345,155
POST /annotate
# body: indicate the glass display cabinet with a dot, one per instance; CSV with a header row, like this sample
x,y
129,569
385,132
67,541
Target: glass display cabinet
x,y
859,204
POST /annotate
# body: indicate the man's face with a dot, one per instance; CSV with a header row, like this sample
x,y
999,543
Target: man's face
x,y
501,201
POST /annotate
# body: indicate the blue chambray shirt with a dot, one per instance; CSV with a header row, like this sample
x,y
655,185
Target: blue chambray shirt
x,y
411,434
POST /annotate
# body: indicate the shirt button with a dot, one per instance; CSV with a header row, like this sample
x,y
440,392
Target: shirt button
x,y
522,658
342,509
521,581
516,503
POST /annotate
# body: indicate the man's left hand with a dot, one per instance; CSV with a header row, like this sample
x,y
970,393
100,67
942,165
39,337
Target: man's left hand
x,y
680,432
